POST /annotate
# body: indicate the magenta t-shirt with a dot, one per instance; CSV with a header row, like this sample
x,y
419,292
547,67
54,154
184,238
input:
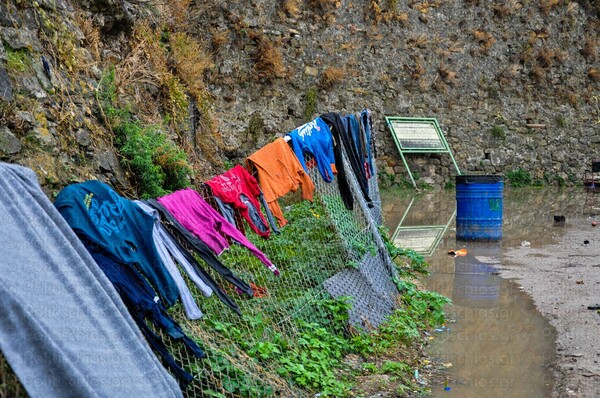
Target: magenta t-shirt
x,y
194,213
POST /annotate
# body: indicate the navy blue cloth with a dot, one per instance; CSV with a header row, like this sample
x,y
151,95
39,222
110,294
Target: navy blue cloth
x,y
199,247
366,124
117,225
341,129
314,138
142,303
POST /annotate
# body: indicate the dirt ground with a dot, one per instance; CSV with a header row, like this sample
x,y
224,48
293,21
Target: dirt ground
x,y
564,279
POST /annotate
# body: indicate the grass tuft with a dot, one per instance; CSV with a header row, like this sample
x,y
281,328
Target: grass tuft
x,y
331,77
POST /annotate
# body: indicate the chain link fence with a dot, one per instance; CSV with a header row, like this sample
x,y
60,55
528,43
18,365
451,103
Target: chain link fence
x,y
325,251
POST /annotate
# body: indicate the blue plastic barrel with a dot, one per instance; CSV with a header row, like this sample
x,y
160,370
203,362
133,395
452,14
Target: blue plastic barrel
x,y
479,207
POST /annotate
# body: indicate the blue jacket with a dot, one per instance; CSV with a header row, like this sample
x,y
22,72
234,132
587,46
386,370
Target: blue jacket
x,y
315,139
98,214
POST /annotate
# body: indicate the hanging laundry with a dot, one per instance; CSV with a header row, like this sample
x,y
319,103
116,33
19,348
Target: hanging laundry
x,y
240,190
64,330
95,211
366,125
140,299
167,249
228,212
314,138
280,172
192,211
340,129
180,234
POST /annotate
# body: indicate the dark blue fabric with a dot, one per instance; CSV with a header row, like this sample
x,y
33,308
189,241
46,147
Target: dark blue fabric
x,y
265,205
139,297
254,214
353,127
367,126
117,225
199,247
315,138
340,129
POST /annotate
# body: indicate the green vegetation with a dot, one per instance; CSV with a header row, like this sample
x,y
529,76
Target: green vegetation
x,y
310,103
158,165
17,61
561,121
551,178
498,132
267,352
519,178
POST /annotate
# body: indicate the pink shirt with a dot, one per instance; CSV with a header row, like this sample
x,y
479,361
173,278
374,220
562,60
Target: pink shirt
x,y
231,185
194,213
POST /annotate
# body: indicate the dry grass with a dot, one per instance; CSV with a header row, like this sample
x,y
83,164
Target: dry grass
x,y
513,70
572,7
191,61
420,41
331,77
545,57
538,74
548,5
452,47
325,5
175,13
447,74
590,49
439,85
268,59
146,62
291,8
485,39
219,38
570,97
507,8
91,35
418,70
375,9
402,19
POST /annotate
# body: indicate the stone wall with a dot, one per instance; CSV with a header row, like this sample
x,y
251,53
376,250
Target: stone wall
x,y
514,84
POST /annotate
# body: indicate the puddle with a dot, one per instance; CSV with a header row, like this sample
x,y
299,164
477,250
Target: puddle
x,y
498,345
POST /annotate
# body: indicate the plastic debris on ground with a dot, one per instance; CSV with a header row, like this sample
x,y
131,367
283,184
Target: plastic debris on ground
x,y
459,252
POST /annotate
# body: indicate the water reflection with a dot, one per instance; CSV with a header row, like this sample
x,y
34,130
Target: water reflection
x,y
423,239
475,283
499,345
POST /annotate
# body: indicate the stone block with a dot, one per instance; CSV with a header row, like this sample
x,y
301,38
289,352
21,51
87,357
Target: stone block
x,y
83,138
9,143
43,136
311,71
20,38
6,88
26,117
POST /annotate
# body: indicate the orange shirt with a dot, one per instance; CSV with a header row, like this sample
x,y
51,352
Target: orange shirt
x,y
280,172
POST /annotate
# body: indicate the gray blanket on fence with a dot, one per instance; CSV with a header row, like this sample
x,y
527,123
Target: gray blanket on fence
x,y
63,328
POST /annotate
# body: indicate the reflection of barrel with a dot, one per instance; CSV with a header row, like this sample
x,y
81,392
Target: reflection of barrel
x,y
475,285
479,207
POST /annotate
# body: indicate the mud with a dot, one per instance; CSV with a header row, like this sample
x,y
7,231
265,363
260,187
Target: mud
x,y
563,279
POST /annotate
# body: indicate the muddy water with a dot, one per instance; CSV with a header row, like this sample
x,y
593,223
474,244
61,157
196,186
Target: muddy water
x,y
496,344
